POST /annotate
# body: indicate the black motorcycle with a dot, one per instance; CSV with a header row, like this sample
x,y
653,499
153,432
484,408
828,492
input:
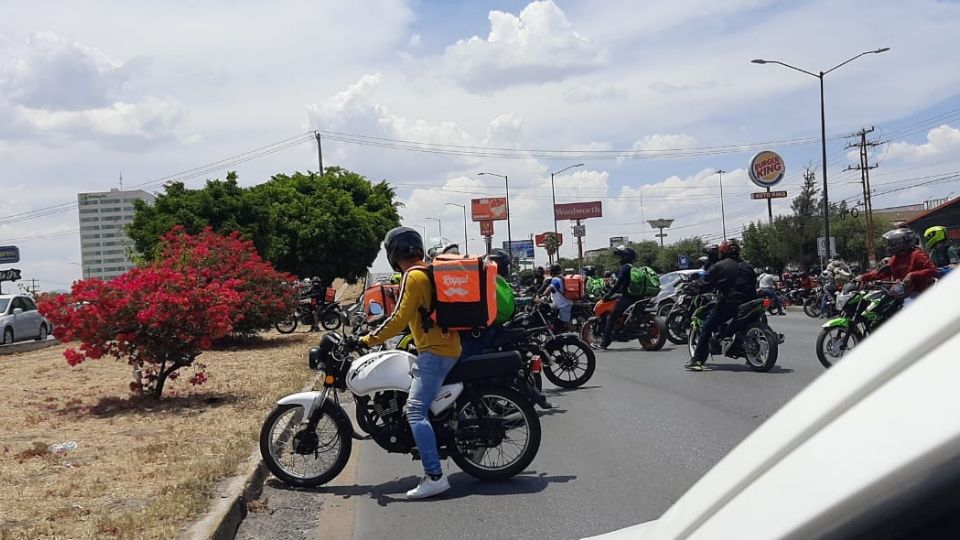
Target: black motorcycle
x,y
310,312
568,362
747,335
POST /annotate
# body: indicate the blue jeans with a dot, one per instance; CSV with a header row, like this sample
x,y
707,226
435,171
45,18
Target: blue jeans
x,y
428,371
720,314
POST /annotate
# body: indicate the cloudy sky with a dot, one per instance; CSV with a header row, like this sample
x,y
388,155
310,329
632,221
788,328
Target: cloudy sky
x,y
652,97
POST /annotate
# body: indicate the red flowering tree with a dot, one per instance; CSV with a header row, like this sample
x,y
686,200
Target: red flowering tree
x,y
157,319
265,296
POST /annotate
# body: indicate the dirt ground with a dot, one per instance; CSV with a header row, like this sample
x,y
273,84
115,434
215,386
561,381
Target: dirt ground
x,y
141,468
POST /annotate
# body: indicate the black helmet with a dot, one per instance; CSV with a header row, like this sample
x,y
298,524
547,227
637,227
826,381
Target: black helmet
x,y
402,243
555,270
713,253
730,248
502,258
538,271
590,271
900,240
625,254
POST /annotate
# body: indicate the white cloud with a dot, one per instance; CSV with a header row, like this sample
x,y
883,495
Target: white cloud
x,y
595,92
538,45
657,142
941,140
58,74
414,41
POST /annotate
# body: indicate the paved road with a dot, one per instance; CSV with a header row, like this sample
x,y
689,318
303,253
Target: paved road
x,y
614,453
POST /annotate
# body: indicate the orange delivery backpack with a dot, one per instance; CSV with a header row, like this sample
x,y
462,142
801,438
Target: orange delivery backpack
x,y
384,295
464,293
573,287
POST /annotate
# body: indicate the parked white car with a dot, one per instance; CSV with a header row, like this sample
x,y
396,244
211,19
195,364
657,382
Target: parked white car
x,y
20,320
871,449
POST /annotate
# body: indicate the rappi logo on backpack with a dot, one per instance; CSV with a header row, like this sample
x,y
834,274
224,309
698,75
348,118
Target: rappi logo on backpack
x,y
453,285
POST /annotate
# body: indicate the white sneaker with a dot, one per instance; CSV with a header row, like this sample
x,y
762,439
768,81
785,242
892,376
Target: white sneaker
x,y
429,488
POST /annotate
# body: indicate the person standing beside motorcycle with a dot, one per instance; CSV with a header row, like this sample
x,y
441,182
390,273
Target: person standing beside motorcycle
x,y
908,264
626,257
736,281
768,287
438,351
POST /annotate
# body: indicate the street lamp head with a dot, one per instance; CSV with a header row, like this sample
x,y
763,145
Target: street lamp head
x,y
758,61
721,171
883,49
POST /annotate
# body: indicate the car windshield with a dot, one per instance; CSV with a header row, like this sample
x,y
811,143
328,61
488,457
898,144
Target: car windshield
x,y
4,302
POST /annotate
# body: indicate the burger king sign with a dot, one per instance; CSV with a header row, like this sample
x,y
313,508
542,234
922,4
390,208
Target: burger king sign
x,y
766,169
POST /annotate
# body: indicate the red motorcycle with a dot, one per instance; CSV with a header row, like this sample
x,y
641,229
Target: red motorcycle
x,y
638,322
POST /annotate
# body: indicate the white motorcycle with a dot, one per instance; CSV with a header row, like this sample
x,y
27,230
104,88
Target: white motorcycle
x,y
489,429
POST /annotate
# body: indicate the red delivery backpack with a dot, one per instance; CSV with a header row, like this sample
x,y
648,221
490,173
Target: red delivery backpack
x,y
573,287
330,295
384,295
464,293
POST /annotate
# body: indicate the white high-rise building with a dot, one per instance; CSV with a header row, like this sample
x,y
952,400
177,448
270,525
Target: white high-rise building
x,y
104,244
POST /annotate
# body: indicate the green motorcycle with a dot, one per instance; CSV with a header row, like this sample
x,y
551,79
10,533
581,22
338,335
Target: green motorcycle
x,y
862,311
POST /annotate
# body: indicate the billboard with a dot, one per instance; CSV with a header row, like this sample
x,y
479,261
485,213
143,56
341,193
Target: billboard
x,y
490,209
486,228
617,240
521,248
541,239
767,169
9,254
579,210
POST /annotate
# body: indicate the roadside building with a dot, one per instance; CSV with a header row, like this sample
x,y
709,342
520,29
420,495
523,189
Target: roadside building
x,y
946,214
104,245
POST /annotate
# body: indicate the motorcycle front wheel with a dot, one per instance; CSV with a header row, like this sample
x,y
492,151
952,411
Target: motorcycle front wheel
x,y
302,458
830,347
760,347
811,306
592,331
288,324
502,412
678,326
573,362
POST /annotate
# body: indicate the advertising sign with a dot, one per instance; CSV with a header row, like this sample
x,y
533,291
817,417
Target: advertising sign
x,y
579,210
579,231
768,195
12,274
541,239
486,228
683,262
521,248
491,209
617,240
9,254
767,169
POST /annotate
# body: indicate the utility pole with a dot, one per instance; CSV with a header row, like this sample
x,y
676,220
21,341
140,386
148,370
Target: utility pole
x,y
319,151
864,167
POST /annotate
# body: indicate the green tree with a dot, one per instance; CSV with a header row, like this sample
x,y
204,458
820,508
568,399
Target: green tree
x,y
306,224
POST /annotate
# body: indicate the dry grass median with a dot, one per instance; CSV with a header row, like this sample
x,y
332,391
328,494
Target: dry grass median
x,y
141,468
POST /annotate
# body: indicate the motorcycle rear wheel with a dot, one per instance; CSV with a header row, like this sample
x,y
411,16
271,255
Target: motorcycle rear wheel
x,y
293,448
573,363
656,334
288,324
331,320
592,331
811,307
521,420
760,346
678,326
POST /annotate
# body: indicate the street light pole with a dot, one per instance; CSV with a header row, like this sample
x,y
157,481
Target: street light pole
x,y
823,132
723,217
439,227
506,182
463,207
553,192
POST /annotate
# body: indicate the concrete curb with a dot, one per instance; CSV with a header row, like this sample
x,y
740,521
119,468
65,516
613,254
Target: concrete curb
x,y
230,498
27,346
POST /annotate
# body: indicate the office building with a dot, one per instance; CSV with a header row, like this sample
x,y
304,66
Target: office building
x,y
104,245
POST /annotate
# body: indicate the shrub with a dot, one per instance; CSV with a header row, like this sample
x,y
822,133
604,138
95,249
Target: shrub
x,y
156,318
265,297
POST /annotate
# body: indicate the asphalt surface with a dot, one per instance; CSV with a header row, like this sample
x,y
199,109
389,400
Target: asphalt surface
x,y
616,452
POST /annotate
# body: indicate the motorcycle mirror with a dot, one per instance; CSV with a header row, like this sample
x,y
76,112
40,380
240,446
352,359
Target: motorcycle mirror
x,y
376,308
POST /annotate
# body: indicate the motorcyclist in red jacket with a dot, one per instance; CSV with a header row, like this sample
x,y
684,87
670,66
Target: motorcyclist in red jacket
x,y
908,263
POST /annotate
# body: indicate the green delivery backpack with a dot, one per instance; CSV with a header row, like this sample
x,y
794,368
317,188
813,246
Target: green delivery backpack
x,y
644,282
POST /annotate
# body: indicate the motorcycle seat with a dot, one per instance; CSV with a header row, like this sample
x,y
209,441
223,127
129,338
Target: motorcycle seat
x,y
484,366
506,336
746,307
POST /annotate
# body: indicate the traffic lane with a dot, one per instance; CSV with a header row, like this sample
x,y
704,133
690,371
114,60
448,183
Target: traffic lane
x,y
614,453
